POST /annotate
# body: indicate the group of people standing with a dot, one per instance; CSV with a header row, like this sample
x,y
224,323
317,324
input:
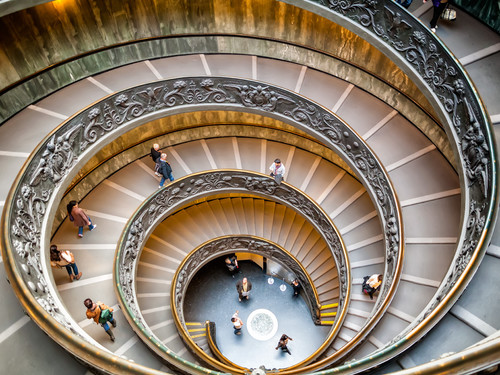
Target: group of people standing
x,y
243,287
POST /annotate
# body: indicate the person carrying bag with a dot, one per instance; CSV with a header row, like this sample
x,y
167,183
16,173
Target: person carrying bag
x,y
101,314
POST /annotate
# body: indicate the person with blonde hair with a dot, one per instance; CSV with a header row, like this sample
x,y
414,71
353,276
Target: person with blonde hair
x,y
243,287
165,170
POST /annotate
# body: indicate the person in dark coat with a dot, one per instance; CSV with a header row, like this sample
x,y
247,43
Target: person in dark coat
x,y
243,287
155,155
283,342
165,170
438,7
296,287
79,217
231,264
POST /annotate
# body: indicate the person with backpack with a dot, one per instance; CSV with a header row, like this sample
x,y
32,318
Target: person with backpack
x,y
232,264
283,344
165,170
101,314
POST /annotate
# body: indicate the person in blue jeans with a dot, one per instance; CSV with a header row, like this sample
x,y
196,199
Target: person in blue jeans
x,y
101,314
79,217
165,170
64,259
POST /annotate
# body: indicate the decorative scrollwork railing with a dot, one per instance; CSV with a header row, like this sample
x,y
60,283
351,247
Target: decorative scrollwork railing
x,y
41,182
424,58
182,192
221,246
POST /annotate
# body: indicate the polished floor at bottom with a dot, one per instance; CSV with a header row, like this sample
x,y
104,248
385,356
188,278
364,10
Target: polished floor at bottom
x,y
212,296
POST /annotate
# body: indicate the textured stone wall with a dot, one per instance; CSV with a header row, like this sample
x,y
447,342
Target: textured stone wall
x,y
68,31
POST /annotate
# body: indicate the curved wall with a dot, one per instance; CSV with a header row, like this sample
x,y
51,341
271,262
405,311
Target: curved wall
x,y
54,33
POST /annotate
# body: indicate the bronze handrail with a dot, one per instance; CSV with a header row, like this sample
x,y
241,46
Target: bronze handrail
x,y
224,245
50,169
187,189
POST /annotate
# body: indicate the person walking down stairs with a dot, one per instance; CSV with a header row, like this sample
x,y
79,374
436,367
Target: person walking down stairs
x,y
64,259
79,217
277,171
438,8
155,155
165,170
101,314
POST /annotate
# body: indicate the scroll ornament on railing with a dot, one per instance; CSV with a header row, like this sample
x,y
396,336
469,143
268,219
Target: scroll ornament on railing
x,y
51,164
225,245
449,83
182,191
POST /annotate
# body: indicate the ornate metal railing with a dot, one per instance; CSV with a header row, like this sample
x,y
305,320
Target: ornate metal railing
x,y
41,182
424,58
221,246
386,25
181,193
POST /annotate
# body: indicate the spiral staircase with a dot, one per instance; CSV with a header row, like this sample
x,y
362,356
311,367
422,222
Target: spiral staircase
x,y
239,85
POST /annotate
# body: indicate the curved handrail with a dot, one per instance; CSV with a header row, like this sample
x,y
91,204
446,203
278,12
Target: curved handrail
x,y
434,68
461,107
224,245
185,190
41,181
212,343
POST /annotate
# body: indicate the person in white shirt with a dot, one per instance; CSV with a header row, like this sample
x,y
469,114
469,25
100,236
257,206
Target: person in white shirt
x,y
372,285
277,170
237,323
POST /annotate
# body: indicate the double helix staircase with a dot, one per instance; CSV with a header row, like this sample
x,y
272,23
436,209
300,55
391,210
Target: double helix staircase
x,y
425,181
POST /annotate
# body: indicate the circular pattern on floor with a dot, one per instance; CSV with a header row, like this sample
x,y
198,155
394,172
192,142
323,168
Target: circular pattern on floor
x,y
262,324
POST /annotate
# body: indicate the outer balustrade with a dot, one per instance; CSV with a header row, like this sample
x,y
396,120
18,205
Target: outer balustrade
x,y
420,54
52,166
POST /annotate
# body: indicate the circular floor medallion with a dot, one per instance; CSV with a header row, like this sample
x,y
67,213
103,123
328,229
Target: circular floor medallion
x,y
262,324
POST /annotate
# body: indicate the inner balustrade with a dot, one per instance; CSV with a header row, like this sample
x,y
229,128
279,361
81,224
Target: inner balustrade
x,y
101,197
